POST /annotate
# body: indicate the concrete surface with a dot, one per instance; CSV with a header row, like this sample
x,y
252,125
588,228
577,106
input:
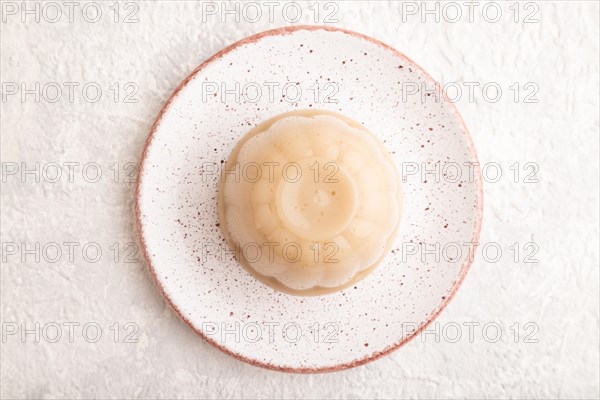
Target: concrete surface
x,y
543,300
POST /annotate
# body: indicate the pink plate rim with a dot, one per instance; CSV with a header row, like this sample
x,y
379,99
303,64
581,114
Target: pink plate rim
x,y
354,363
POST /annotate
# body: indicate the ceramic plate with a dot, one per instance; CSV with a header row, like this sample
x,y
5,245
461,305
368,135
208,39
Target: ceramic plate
x,y
292,69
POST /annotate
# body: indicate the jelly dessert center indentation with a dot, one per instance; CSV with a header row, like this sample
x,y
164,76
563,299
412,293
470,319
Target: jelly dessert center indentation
x,y
318,200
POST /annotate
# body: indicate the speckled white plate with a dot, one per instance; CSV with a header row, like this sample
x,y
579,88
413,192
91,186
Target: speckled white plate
x,y
340,71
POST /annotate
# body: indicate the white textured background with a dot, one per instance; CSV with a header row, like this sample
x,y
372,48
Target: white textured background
x,y
560,293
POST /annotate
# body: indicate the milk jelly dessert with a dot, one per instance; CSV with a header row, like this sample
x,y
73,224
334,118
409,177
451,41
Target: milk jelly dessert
x,y
309,202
